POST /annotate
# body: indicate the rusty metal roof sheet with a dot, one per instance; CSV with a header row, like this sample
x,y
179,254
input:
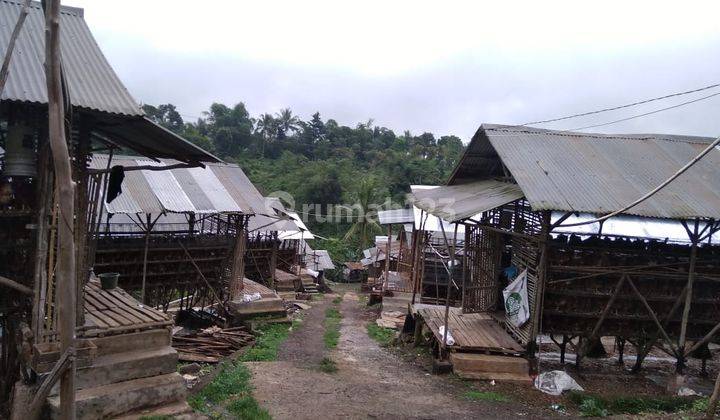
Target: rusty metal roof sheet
x,y
92,83
217,188
597,173
458,202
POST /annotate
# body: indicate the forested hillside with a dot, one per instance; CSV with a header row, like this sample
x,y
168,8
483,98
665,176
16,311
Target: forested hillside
x,y
320,161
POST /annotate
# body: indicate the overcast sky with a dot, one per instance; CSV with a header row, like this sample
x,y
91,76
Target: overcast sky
x,y
441,66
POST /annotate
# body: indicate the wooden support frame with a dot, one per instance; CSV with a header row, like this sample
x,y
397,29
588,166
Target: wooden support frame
x,y
694,236
605,312
4,281
654,317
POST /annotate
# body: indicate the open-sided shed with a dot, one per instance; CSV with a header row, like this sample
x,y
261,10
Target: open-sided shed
x,y
519,189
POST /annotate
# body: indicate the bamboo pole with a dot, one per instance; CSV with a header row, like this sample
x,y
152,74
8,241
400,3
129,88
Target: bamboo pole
x,y
66,278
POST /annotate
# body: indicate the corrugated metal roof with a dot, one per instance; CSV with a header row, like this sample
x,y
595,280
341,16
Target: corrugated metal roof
x,y
458,202
395,216
318,260
431,223
145,136
597,173
218,188
92,83
634,226
275,218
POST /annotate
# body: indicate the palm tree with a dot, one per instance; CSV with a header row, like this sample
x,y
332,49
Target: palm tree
x,y
286,121
266,126
366,226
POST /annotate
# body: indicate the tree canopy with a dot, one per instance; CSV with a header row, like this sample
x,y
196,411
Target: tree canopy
x,y
319,161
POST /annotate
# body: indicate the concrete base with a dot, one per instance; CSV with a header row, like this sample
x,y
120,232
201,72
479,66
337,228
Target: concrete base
x,y
122,397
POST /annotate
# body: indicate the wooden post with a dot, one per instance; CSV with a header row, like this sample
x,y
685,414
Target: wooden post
x,y
273,261
451,250
65,272
238,265
541,280
688,299
387,259
148,226
42,240
413,262
712,404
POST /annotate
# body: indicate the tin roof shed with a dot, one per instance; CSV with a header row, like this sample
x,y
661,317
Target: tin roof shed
x,y
596,173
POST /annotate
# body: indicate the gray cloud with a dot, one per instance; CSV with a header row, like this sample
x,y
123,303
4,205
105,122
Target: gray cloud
x,y
451,96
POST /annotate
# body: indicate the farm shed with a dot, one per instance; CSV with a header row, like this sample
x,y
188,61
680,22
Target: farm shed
x,y
100,116
177,233
516,190
275,239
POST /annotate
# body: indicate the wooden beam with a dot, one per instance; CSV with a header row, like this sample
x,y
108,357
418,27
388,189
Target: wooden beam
x,y
150,168
38,401
207,283
688,296
606,310
652,315
4,281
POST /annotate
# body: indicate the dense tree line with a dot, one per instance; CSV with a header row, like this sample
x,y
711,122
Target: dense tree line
x,y
317,161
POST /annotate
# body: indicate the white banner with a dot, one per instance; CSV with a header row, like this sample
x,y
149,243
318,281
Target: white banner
x,y
517,307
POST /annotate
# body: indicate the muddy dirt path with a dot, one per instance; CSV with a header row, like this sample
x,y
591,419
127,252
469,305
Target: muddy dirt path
x,y
371,382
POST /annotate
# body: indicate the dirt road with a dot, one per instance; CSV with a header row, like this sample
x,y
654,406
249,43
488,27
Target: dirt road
x,y
371,382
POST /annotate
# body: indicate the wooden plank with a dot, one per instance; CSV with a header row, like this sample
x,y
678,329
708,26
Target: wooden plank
x,y
103,320
95,320
128,302
152,314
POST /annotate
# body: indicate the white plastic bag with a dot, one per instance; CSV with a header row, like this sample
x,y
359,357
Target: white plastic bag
x,y
556,382
450,340
252,297
517,308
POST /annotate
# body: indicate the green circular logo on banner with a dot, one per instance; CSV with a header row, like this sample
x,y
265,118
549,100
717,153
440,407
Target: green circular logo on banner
x,y
512,304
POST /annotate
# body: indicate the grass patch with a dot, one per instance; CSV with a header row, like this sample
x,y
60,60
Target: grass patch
x,y
332,328
247,408
485,396
595,406
232,384
328,365
266,344
337,300
233,379
384,336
